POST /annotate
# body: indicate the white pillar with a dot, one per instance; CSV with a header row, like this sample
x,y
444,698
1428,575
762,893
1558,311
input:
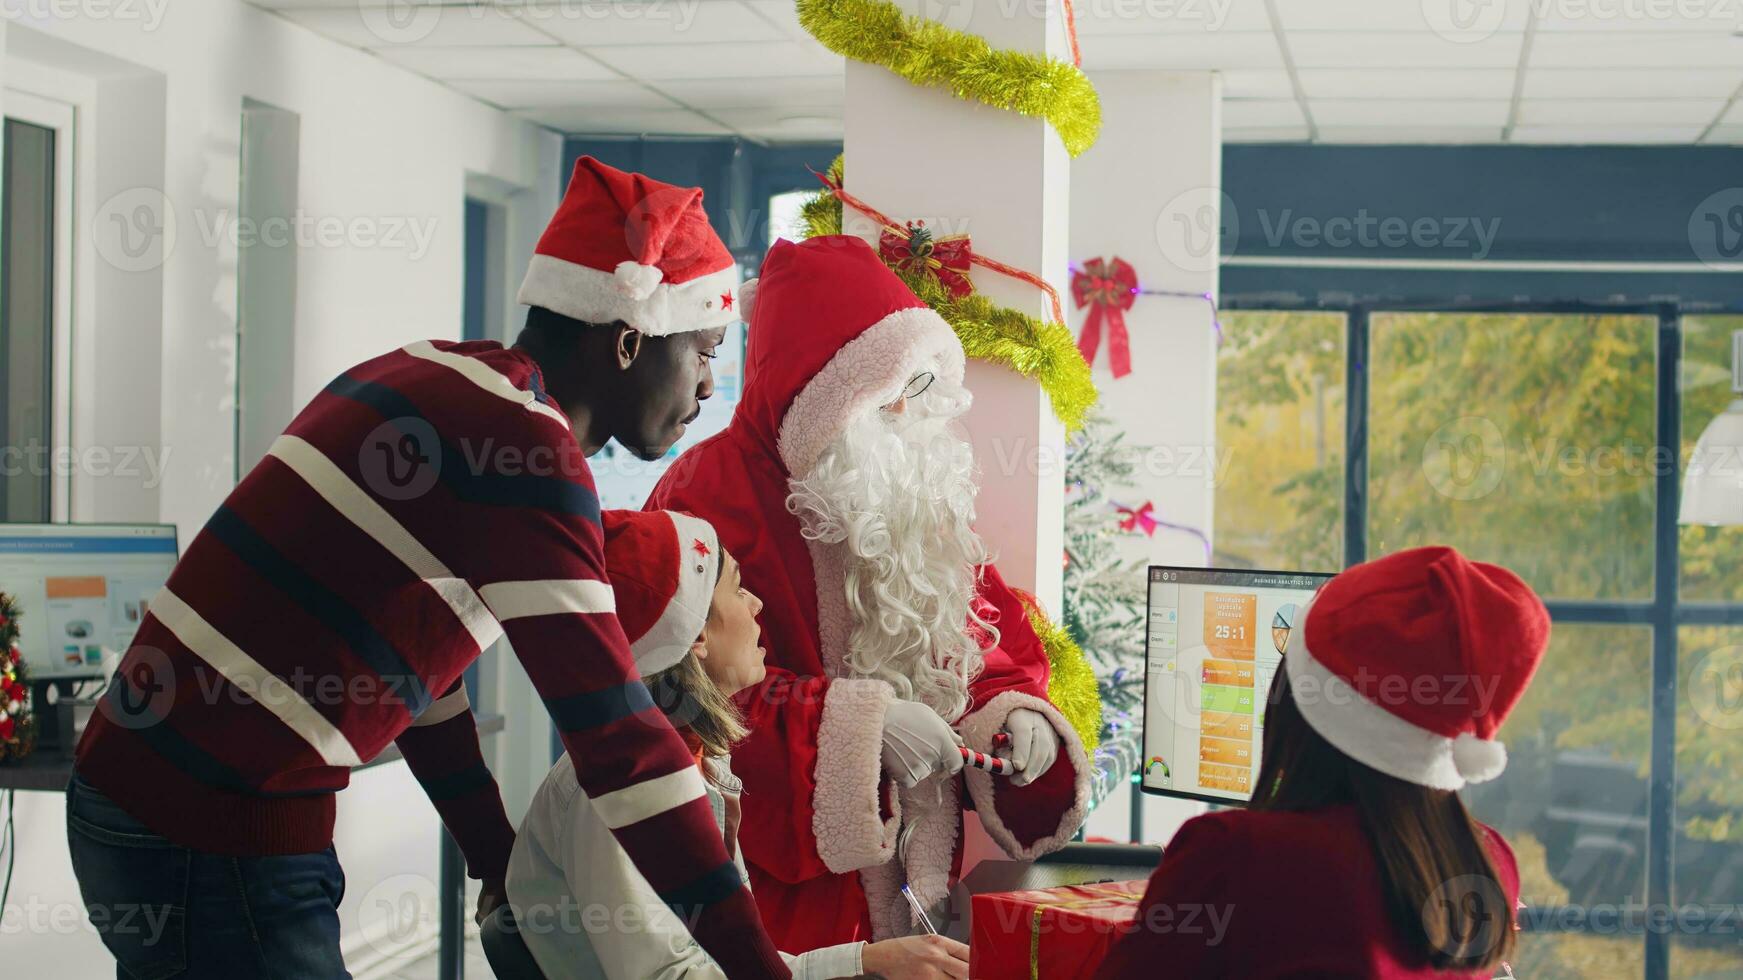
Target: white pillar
x,y
1003,179
1150,192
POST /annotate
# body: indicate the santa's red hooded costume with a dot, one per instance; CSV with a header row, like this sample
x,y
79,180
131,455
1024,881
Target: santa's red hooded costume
x,y
833,335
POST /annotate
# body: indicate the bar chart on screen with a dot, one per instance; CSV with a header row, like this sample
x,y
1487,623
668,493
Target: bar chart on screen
x,y
1216,638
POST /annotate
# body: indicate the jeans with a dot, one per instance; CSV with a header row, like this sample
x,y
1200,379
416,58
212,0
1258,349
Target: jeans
x,y
166,911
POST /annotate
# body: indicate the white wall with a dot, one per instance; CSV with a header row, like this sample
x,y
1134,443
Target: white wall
x,y
1002,179
1149,192
159,91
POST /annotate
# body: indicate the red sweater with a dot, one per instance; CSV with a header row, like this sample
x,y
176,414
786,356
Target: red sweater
x,y
425,503
1260,894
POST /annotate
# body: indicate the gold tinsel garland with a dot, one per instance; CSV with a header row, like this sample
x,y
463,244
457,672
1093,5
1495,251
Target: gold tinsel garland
x,y
1040,350
929,53
1071,686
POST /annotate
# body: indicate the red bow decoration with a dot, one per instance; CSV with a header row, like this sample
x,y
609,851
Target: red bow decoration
x,y
1143,518
913,250
889,227
1108,287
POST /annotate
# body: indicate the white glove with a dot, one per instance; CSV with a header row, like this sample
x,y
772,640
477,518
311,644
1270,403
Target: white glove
x,y
1034,745
917,743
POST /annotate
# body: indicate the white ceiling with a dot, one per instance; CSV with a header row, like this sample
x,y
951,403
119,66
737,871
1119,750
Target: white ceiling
x,y
1330,71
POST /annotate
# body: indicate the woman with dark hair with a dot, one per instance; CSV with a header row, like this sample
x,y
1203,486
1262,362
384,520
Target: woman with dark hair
x,y
1356,857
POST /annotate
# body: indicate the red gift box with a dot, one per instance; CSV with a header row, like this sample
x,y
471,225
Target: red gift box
x,y
1049,933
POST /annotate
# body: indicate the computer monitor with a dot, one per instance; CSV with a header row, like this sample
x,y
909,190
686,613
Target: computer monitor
x,y
82,590
1214,640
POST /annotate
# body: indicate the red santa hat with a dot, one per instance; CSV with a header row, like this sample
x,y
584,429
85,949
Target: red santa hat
x,y
663,567
1410,663
624,246
850,336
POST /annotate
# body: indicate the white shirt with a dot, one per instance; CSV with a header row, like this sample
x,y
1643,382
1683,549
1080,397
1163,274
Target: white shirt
x,y
586,913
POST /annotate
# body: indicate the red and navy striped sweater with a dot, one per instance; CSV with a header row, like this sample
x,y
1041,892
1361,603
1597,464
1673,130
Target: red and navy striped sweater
x,y
423,504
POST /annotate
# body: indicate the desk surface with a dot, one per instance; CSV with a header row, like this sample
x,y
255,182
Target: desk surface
x,y
50,771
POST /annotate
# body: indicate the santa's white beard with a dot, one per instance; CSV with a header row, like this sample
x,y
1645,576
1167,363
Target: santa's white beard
x,y
894,495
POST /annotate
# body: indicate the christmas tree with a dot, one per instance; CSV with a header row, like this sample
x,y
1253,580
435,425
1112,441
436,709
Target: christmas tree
x,y
17,726
1104,592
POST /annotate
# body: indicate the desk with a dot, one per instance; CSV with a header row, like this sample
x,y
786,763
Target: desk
x,y
47,771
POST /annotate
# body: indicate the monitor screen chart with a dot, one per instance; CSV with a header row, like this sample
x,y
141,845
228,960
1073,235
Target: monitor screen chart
x,y
1215,639
82,589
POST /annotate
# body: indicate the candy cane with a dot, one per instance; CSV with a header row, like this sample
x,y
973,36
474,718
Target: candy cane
x,y
984,762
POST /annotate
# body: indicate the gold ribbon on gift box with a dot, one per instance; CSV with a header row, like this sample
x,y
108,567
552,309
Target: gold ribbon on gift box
x,y
1102,895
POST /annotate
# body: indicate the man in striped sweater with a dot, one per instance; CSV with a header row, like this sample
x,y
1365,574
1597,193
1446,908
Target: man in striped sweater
x,y
425,503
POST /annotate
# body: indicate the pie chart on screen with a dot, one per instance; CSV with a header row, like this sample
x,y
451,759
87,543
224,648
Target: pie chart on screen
x,y
1282,624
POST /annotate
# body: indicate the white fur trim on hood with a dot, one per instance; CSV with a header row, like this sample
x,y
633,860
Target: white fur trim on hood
x,y
665,308
867,373
978,729
1375,737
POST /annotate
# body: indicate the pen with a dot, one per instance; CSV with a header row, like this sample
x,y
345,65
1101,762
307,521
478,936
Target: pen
x,y
925,920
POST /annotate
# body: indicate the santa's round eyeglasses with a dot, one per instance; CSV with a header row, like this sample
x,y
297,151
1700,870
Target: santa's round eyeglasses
x,y
918,385
915,387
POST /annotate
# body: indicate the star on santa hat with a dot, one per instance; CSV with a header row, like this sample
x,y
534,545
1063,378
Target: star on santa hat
x,y
661,604
701,548
726,300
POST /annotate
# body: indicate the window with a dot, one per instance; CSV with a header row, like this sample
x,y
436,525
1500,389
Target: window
x,y
1280,424
786,218
1537,438
1709,798
1573,800
1513,437
1712,557
35,300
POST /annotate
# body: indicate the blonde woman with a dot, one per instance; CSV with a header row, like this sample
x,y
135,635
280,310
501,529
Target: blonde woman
x,y
581,906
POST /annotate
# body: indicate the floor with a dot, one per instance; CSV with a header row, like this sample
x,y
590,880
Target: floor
x,y
475,967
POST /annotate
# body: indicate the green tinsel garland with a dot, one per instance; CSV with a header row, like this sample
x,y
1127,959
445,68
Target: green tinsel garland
x,y
1071,687
929,53
1032,347
822,214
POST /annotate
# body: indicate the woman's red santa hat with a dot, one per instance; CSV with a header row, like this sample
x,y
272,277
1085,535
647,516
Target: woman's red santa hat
x,y
1410,663
663,567
626,247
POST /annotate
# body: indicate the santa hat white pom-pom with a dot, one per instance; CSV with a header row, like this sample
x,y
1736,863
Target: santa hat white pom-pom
x,y
1478,759
637,281
747,297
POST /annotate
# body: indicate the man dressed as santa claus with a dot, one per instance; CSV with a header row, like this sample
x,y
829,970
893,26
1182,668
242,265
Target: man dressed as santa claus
x,y
846,490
